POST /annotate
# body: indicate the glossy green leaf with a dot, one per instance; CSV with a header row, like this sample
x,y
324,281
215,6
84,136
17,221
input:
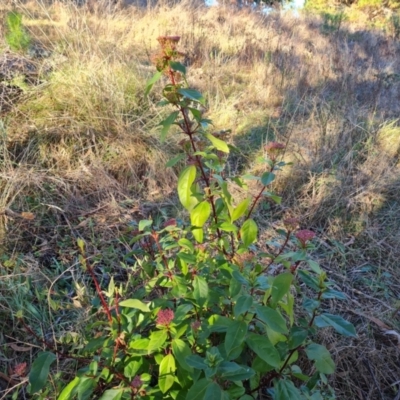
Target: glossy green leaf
x,y
235,335
175,160
135,303
198,217
40,370
157,340
240,210
320,355
185,182
280,287
152,81
285,390
139,344
214,392
333,294
166,124
167,373
228,227
217,143
218,323
187,244
262,346
195,361
314,266
235,372
200,290
272,318
340,325
85,388
267,178
68,392
198,390
112,394
177,66
243,304
192,95
181,350
249,232
132,366
297,337
308,279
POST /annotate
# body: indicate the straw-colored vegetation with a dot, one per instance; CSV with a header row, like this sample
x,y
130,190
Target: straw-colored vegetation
x,y
80,156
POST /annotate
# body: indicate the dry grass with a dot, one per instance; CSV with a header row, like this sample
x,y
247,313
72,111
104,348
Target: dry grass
x,y
81,151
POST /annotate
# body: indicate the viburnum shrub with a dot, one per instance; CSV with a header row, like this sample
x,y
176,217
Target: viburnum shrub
x,y
209,315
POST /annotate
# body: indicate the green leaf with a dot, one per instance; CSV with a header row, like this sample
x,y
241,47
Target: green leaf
x,y
243,304
272,318
235,336
132,366
314,266
177,66
262,346
200,214
218,323
217,143
248,232
185,181
200,290
112,394
187,244
308,279
139,344
135,303
145,223
166,124
196,362
196,113
285,390
214,392
181,350
182,311
333,294
69,390
157,340
227,227
322,358
167,377
267,178
280,287
40,371
240,209
85,388
274,197
340,325
192,95
198,390
234,371
198,217
175,160
297,337
152,81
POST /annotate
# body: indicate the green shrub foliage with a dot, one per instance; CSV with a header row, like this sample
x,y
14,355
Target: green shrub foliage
x,y
211,316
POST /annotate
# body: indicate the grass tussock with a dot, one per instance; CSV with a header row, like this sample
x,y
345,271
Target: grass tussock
x,y
80,150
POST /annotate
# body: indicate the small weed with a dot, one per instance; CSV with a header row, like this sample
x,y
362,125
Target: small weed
x,y
17,37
